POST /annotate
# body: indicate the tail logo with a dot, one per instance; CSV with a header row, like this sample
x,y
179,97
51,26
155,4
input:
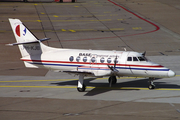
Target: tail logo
x,y
24,31
17,29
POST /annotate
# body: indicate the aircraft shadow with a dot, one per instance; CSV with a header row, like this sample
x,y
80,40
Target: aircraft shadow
x,y
104,87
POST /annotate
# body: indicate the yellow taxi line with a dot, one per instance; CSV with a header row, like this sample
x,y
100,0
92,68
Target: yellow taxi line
x,y
110,88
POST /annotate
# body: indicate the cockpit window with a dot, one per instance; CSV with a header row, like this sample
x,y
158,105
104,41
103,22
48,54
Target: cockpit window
x,y
129,59
135,59
142,58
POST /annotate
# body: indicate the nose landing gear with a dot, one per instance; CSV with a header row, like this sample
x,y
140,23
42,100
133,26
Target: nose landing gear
x,y
151,84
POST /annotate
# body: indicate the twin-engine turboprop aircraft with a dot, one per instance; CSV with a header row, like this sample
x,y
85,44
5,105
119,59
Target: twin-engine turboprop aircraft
x,y
97,63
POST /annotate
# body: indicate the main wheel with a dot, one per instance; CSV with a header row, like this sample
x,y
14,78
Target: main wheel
x,y
151,87
81,89
112,80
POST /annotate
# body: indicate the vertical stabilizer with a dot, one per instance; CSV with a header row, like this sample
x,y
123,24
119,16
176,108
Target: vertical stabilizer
x,y
23,35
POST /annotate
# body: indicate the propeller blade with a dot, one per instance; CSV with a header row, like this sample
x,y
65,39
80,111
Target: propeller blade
x,y
110,67
113,68
115,62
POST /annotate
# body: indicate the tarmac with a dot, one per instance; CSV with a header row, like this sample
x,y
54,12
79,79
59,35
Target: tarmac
x,y
35,94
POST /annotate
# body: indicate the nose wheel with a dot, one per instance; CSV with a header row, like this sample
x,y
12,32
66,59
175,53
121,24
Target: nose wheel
x,y
151,84
151,87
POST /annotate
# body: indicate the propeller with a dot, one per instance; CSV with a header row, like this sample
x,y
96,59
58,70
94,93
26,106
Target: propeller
x,y
114,71
113,68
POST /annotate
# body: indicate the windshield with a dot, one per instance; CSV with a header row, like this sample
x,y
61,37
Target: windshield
x,y
139,58
142,58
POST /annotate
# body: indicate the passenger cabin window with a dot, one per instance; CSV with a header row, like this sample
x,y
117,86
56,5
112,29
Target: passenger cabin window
x,y
109,60
129,59
93,59
85,59
78,59
71,58
135,59
115,60
102,60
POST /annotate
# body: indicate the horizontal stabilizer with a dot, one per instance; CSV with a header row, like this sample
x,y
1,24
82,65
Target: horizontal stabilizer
x,y
29,42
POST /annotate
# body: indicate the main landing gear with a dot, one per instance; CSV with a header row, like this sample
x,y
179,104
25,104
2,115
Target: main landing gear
x,y
112,80
81,87
151,84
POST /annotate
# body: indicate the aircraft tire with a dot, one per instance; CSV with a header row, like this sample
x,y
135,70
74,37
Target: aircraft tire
x,y
112,79
151,87
81,89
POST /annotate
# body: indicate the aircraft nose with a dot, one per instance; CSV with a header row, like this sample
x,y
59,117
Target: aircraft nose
x,y
171,73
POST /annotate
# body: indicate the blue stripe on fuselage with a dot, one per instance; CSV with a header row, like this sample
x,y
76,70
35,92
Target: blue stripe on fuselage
x,y
99,68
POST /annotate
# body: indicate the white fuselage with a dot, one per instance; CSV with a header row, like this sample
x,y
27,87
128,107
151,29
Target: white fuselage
x,y
97,61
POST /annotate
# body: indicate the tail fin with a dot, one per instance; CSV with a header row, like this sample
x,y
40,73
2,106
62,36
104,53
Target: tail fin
x,y
27,42
29,46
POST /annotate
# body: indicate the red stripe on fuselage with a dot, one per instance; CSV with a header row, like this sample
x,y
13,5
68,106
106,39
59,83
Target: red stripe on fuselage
x,y
88,63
